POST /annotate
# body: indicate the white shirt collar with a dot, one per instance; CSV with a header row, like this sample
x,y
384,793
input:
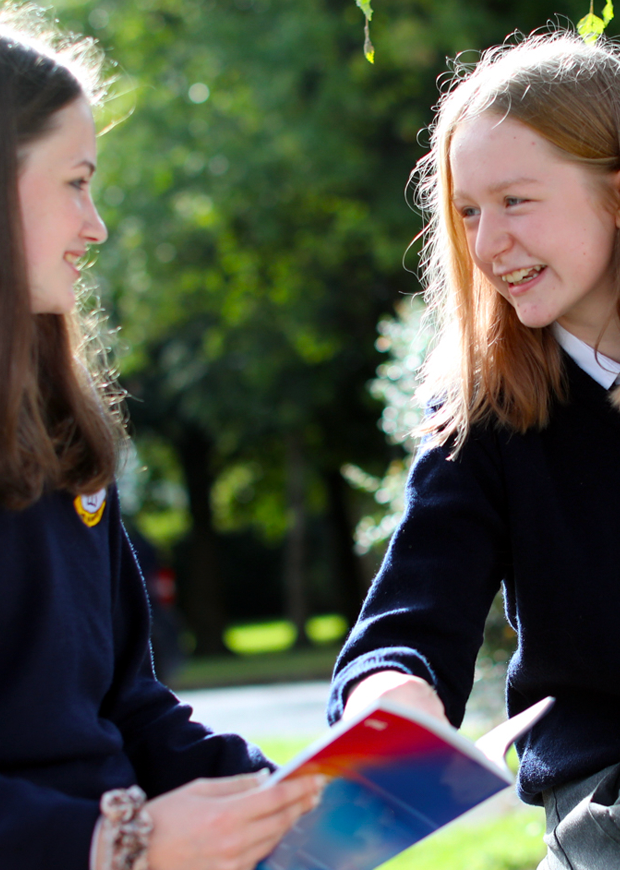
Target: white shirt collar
x,y
604,370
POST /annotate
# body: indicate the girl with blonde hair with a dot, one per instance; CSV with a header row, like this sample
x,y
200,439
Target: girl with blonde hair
x,y
517,480
100,764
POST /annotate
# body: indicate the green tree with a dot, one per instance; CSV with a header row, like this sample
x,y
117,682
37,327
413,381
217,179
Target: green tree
x,y
254,200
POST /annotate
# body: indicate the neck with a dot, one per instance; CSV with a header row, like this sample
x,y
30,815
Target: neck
x,y
605,340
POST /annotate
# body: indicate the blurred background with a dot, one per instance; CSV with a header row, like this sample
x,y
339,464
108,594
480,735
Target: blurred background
x,y
263,312
253,186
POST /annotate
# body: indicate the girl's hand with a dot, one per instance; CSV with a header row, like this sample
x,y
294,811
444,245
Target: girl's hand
x,y
225,824
407,690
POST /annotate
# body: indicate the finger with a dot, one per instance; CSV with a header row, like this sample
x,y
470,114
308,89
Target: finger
x,y
261,849
261,836
230,785
255,837
273,820
306,789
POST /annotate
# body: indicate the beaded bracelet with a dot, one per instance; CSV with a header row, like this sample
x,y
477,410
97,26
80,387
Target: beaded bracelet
x,y
125,829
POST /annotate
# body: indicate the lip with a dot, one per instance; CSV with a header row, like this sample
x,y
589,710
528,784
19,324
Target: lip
x,y
72,258
520,289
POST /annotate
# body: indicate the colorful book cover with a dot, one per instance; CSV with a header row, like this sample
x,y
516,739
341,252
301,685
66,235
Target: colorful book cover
x,y
396,775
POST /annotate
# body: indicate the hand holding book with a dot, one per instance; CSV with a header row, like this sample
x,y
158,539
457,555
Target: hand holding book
x,y
396,686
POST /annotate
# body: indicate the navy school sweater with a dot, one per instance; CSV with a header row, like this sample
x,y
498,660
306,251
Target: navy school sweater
x,y
539,512
80,709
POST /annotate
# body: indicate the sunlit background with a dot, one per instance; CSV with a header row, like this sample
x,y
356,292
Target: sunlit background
x,y
262,308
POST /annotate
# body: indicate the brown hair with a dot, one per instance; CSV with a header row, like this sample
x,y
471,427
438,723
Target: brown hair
x,y
59,420
487,365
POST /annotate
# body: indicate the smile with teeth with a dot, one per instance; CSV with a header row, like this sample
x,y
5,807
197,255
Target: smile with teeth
x,y
521,276
72,259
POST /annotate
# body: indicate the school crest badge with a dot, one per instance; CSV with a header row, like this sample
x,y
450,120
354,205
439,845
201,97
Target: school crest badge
x,y
90,508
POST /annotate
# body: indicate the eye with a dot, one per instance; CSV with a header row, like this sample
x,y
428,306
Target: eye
x,y
469,211
514,200
79,183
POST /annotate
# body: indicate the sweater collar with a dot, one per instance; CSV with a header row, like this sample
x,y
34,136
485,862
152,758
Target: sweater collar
x,y
604,370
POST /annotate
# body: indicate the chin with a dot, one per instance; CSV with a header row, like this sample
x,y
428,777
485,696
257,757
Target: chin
x,y
61,304
535,320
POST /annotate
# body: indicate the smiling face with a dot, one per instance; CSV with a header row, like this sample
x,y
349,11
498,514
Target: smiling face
x,y
537,226
59,218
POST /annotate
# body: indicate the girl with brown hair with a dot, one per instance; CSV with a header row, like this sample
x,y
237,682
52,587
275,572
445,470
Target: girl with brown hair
x,y
99,762
517,481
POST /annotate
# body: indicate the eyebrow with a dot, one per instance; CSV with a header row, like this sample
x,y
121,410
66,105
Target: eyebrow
x,y
90,166
500,186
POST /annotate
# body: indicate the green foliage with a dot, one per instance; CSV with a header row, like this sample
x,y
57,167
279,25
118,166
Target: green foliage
x,y
257,224
325,629
279,635
369,51
152,491
260,638
249,236
404,339
590,27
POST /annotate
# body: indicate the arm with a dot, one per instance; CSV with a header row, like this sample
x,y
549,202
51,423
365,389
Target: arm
x,y
165,747
425,612
42,827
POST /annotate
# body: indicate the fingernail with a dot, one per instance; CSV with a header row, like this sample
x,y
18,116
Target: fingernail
x,y
263,773
321,782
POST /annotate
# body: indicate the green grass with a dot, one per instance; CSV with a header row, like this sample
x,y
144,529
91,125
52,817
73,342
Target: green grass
x,y
264,653
509,842
282,749
312,663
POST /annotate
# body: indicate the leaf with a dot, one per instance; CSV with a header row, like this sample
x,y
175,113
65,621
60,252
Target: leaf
x,y
366,8
590,27
369,50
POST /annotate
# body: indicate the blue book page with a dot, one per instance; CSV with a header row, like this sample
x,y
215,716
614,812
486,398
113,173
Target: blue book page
x,y
383,807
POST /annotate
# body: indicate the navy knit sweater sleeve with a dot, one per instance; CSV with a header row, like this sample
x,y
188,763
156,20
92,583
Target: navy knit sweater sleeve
x,y
538,512
81,709
426,610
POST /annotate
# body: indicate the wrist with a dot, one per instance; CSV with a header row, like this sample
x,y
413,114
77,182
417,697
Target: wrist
x,y
121,836
403,688
96,848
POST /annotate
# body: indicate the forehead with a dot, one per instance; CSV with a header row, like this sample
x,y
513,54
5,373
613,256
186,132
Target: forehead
x,y
489,148
70,139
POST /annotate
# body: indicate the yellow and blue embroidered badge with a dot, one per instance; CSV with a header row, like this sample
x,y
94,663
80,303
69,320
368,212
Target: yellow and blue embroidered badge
x,y
90,508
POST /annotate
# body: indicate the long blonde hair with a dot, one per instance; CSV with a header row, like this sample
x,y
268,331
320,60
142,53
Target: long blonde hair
x,y
487,366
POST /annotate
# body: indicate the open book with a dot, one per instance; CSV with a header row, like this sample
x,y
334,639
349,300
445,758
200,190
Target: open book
x,y
396,775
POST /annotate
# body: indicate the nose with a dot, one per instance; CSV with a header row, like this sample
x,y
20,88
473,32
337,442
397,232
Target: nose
x,y
94,230
492,237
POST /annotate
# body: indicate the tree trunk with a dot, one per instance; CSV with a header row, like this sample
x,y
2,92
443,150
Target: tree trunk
x,y
348,574
204,587
296,606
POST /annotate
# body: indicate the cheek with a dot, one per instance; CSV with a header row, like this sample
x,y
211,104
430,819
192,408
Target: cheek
x,y
35,226
470,240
